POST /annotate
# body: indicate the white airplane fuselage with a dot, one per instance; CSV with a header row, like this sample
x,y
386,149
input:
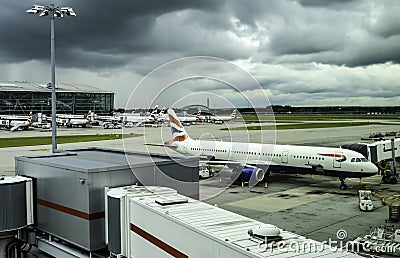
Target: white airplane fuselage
x,y
221,118
19,125
224,118
187,119
336,162
78,122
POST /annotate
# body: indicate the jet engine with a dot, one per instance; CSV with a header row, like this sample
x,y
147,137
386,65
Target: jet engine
x,y
253,175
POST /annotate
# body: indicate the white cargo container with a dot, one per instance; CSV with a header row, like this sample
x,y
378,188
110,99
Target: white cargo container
x,y
171,225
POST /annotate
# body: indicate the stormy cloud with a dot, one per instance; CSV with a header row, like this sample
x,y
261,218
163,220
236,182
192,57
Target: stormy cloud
x,y
301,51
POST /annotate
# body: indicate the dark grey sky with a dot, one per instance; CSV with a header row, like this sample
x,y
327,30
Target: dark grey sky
x,y
305,52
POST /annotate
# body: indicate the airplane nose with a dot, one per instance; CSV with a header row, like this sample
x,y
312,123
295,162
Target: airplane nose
x,y
372,168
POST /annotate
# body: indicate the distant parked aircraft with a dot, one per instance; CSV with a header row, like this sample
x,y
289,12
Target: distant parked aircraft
x,y
220,119
16,123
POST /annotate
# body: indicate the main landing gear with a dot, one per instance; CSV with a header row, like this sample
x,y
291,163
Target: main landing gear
x,y
343,185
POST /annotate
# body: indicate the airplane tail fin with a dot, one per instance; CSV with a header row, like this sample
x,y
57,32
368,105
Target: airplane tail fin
x,y
29,118
179,133
89,117
233,115
198,115
154,114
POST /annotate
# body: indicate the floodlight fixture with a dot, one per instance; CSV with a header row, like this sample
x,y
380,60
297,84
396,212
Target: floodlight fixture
x,y
68,11
53,12
58,14
35,9
44,13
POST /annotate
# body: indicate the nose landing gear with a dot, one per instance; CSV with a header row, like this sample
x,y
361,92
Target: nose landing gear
x,y
343,185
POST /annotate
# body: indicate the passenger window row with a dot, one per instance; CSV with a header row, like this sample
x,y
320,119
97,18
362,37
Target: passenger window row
x,y
307,157
238,152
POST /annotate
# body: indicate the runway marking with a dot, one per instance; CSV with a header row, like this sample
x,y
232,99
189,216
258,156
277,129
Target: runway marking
x,y
275,202
40,150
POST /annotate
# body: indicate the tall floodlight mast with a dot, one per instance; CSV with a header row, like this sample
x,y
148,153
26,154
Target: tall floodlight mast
x,y
53,12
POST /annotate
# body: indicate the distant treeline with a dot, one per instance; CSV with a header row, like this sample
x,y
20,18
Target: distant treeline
x,y
278,109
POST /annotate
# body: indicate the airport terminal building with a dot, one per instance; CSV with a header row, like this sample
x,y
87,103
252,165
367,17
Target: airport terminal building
x,y
24,97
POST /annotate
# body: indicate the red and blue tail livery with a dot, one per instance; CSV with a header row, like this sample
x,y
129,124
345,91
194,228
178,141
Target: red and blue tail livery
x,y
338,157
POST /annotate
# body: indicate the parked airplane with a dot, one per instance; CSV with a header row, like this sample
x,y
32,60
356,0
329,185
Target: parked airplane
x,y
74,120
137,120
17,125
250,161
200,117
163,116
80,122
187,119
221,119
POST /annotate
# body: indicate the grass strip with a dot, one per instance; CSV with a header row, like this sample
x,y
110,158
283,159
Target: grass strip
x,y
46,140
301,118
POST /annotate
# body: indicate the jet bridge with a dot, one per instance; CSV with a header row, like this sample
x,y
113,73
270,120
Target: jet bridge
x,y
383,153
376,151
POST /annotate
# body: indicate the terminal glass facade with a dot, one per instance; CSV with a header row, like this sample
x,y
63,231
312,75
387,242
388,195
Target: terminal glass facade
x,y
23,102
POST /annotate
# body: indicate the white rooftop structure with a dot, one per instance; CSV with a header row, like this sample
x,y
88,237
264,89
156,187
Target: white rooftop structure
x,y
46,87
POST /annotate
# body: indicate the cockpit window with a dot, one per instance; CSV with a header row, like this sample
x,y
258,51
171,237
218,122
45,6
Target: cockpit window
x,y
359,160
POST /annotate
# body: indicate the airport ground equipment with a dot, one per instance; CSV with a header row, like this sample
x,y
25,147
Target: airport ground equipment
x,y
365,200
69,190
204,172
143,223
394,213
16,211
384,240
112,125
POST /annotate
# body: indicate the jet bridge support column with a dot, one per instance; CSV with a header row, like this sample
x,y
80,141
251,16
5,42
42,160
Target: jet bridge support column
x,y
390,176
393,167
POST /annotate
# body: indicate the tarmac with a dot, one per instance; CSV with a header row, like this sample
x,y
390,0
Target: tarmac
x,y
312,206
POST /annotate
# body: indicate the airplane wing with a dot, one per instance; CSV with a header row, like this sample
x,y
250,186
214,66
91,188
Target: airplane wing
x,y
136,120
161,145
221,162
259,163
18,127
139,123
14,128
230,163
